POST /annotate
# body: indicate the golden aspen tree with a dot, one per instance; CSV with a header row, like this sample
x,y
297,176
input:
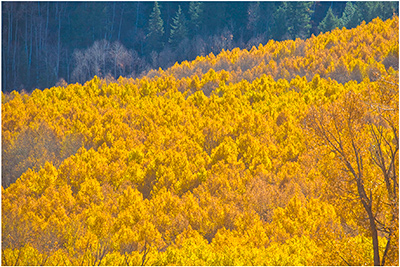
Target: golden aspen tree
x,y
343,128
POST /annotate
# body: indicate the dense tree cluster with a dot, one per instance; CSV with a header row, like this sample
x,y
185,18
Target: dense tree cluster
x,y
260,157
44,42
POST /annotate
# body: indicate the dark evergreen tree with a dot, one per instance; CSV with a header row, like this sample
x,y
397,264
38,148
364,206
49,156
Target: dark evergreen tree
x,y
266,17
280,28
330,22
292,20
253,18
235,18
156,29
300,19
178,28
196,17
215,17
373,9
351,16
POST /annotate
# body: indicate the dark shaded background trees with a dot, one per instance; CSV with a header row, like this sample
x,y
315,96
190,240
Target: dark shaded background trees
x,y
44,42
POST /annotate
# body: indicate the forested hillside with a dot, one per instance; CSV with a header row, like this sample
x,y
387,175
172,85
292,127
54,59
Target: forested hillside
x,y
283,154
44,43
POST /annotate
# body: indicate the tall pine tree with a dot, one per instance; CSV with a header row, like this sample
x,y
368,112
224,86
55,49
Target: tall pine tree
x,y
351,16
156,29
196,16
280,28
178,28
330,22
292,20
383,10
300,19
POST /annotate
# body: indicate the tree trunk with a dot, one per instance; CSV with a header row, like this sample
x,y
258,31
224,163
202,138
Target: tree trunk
x,y
14,62
366,202
59,40
374,233
4,74
37,58
120,21
68,62
46,59
112,24
137,17
9,45
30,50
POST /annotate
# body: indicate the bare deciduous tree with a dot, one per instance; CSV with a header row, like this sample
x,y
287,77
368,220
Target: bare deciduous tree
x,y
103,58
122,59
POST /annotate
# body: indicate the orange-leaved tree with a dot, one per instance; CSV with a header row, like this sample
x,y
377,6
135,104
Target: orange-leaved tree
x,y
360,133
